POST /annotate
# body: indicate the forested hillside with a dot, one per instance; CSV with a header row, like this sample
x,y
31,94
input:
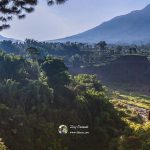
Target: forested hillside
x,y
37,95
41,89
77,54
68,95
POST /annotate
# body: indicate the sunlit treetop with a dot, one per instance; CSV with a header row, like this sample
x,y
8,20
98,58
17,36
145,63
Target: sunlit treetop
x,y
19,8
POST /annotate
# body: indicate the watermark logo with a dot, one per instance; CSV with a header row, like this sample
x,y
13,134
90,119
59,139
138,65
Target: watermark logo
x,y
63,129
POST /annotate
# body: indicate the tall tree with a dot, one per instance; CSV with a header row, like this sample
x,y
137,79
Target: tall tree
x,y
56,72
33,52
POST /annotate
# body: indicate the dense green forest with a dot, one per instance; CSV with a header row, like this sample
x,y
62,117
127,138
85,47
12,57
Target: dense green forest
x,y
44,85
77,54
37,94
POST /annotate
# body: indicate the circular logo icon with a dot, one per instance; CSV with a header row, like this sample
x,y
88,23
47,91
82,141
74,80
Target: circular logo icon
x,y
63,129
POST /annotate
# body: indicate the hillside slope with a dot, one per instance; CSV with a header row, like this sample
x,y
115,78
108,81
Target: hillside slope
x,y
130,28
2,38
129,73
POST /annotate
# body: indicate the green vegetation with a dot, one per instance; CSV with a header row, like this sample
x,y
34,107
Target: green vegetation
x,y
38,95
2,145
76,54
133,110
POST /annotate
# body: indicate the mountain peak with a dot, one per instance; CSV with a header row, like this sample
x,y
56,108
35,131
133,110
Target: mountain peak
x,y
147,7
132,28
2,38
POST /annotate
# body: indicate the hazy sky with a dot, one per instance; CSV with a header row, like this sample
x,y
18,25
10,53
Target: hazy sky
x,y
73,17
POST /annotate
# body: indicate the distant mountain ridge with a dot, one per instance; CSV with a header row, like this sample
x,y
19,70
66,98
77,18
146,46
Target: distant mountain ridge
x,y
2,38
130,28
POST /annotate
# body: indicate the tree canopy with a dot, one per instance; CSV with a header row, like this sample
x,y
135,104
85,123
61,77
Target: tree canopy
x,y
19,8
34,103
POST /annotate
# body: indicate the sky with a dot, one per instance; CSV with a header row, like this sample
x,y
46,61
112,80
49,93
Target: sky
x,y
73,17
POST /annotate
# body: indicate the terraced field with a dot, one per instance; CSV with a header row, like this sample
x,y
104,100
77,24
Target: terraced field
x,y
133,109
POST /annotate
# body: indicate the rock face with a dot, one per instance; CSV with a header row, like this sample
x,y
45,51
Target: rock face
x,y
131,69
130,28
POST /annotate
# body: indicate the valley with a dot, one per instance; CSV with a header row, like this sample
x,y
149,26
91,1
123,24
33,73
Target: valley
x,y
128,73
97,80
